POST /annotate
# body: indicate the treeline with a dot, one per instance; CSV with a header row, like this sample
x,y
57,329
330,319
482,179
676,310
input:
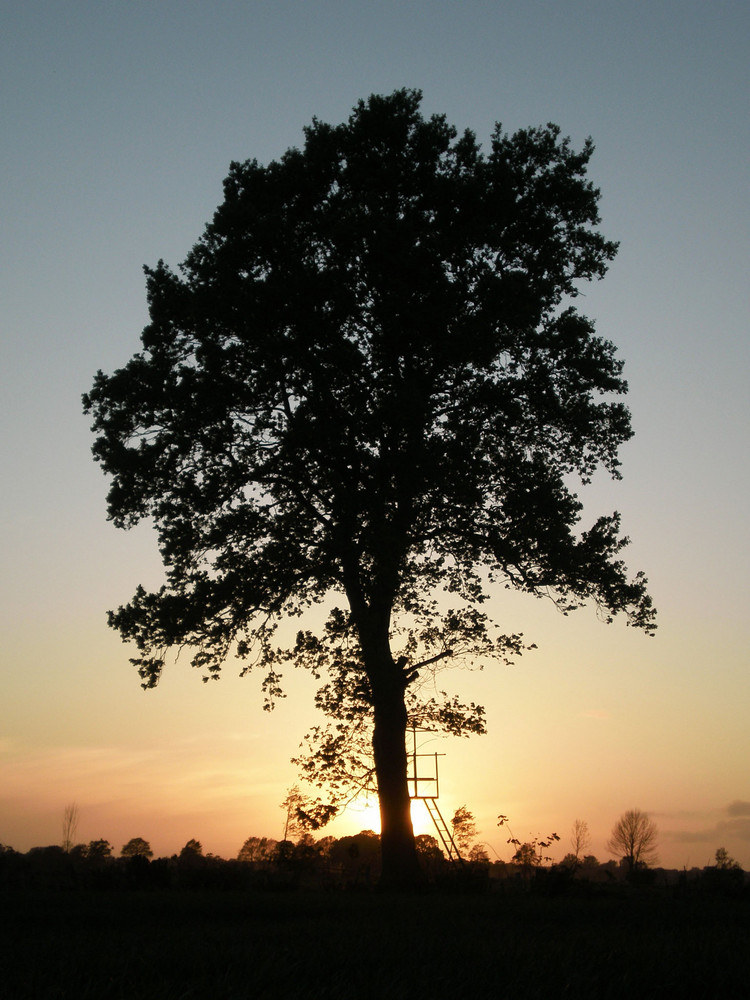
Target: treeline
x,y
347,862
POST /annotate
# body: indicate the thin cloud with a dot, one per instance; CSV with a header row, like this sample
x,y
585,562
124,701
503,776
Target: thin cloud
x,y
739,828
594,713
690,836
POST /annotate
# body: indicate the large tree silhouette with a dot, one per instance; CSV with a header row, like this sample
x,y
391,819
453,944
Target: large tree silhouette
x,y
367,385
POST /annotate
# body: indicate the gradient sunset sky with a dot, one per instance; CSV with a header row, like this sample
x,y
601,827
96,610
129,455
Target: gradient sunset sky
x,y
118,123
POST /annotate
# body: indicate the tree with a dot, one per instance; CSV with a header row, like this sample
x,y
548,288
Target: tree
x,y
463,828
580,839
526,856
428,847
633,840
724,861
192,850
98,850
726,875
256,849
367,386
531,852
137,847
293,807
70,819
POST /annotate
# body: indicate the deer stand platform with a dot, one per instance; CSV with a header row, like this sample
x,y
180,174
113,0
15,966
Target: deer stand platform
x,y
424,785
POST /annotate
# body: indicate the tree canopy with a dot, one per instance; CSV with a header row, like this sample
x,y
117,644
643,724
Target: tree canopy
x,y
137,847
368,385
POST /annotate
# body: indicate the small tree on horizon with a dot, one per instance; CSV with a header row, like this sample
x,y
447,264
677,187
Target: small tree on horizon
x,y
256,849
71,817
98,850
724,862
580,839
293,808
192,849
463,829
633,840
137,847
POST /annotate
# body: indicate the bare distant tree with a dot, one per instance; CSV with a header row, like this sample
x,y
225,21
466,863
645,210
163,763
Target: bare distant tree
x,y
69,826
633,839
580,838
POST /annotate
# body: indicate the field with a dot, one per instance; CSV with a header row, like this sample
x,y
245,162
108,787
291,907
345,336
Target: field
x,y
183,945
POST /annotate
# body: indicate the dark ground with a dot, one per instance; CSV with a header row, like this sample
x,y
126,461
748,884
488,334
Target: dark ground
x,y
191,945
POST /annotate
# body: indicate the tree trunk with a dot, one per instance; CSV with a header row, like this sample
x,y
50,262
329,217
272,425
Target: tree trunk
x,y
400,867
398,852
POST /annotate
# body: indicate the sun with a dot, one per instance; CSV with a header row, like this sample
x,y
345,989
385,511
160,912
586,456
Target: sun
x,y
365,815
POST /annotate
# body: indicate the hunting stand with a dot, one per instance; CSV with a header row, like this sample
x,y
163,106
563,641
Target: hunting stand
x,y
424,785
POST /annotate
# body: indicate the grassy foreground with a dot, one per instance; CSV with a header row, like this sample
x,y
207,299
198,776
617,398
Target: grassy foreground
x,y
180,945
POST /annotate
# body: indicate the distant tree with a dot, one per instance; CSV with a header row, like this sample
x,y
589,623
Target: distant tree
x,y
633,840
478,854
431,857
283,852
725,875
723,861
324,845
428,847
530,853
358,856
293,809
256,849
577,863
98,850
367,385
193,849
305,851
526,856
463,829
71,816
137,847
580,839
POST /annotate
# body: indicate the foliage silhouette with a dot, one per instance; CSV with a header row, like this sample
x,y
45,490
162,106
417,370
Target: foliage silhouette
x,y
367,385
137,847
99,850
724,861
463,829
256,849
192,849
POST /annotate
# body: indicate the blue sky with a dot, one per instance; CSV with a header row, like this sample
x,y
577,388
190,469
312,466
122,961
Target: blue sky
x,y
119,122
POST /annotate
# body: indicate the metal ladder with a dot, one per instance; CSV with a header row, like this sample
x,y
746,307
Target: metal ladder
x,y
443,831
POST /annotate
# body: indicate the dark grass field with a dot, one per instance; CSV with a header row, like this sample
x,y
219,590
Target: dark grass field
x,y
175,945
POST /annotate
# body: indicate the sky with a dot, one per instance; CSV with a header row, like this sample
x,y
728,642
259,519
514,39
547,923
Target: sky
x,y
119,122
